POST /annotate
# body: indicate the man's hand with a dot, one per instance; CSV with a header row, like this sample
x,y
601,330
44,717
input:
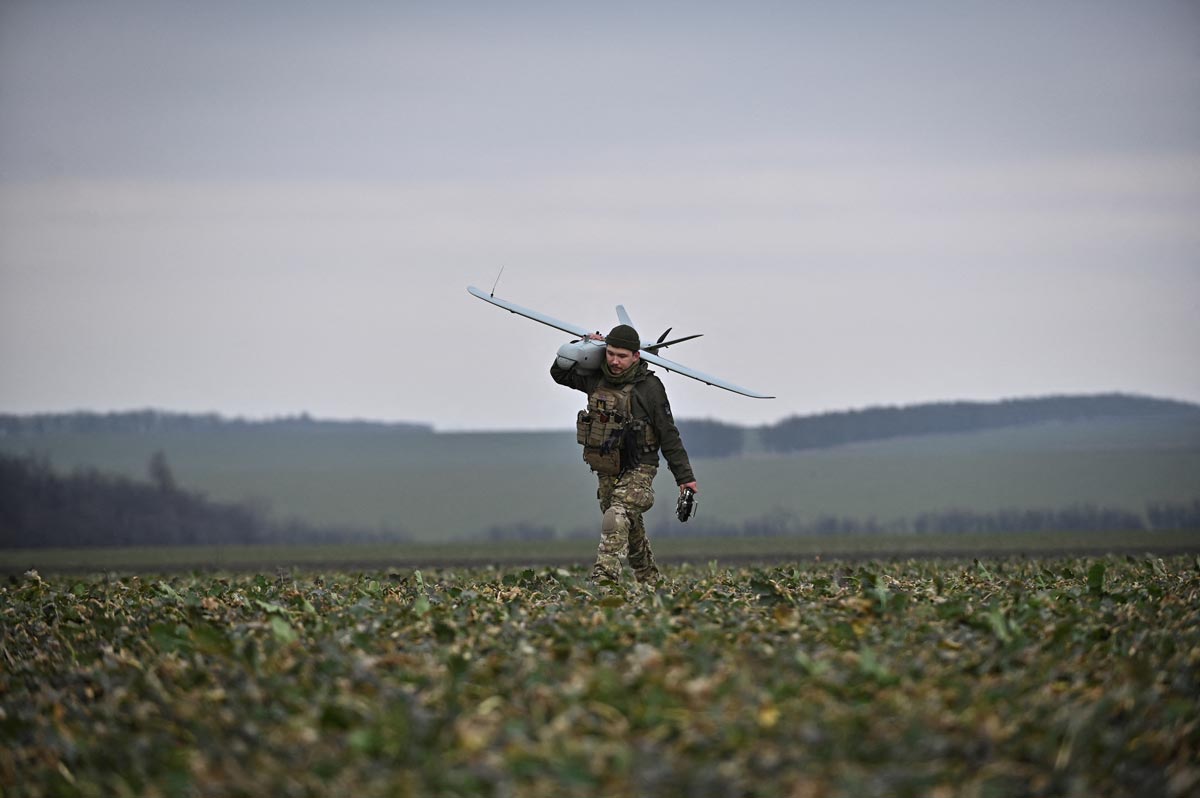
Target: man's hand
x,y
687,485
596,336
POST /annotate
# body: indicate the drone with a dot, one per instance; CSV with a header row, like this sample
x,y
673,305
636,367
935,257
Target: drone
x,y
588,353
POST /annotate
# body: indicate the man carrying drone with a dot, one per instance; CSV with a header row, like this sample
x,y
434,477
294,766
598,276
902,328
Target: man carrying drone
x,y
627,420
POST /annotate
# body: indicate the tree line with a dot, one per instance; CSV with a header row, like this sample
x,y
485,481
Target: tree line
x,y
1158,517
40,508
825,430
158,421
834,429
703,437
708,438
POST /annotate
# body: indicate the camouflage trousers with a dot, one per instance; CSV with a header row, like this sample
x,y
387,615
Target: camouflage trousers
x,y
623,499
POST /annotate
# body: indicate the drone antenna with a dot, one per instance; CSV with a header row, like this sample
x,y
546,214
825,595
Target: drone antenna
x,y
497,281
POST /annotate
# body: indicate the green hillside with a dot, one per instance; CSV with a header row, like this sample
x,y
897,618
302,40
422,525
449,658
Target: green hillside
x,y
436,486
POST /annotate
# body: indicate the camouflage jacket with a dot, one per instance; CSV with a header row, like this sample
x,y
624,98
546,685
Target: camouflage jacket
x,y
649,402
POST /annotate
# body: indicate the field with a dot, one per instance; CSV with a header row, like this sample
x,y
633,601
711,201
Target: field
x,y
439,487
374,556
1001,676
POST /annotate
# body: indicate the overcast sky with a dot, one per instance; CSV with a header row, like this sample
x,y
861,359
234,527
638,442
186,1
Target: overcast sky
x,y
269,208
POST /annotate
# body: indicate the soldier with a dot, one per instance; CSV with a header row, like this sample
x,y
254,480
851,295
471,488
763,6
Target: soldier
x,y
627,420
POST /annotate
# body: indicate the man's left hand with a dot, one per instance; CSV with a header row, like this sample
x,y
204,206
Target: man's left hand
x,y
687,485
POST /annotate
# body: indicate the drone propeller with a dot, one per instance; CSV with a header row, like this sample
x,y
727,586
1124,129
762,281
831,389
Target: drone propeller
x,y
661,345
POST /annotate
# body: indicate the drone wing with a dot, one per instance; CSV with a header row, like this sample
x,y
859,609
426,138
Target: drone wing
x,y
550,321
649,357
671,365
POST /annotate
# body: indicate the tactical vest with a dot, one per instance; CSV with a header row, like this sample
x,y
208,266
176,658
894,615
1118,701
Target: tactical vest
x,y
612,439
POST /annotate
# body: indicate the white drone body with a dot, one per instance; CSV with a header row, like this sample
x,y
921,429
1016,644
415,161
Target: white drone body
x,y
584,355
587,354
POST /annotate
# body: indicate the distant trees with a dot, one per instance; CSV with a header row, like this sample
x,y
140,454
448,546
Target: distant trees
x,y
1078,518
157,421
703,438
1167,515
706,438
87,508
835,429
1160,516
160,473
39,507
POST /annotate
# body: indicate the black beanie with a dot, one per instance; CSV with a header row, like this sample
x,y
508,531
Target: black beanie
x,y
624,337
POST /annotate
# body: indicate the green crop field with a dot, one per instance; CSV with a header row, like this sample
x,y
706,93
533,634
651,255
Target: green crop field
x,y
438,487
1060,676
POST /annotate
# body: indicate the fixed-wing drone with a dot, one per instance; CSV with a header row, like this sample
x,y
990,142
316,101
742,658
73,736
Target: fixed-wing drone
x,y
587,354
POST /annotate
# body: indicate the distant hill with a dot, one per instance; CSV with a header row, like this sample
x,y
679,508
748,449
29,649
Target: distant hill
x,y
879,423
704,438
1113,458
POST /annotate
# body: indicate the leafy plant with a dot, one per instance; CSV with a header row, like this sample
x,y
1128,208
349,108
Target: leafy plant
x,y
993,677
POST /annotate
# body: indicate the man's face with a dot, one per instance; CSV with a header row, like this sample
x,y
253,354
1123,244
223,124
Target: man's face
x,y
621,359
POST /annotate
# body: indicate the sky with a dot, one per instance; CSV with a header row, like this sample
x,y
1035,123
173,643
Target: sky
x,y
271,208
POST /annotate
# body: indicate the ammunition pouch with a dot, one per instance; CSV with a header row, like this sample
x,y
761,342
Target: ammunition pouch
x,y
644,437
611,438
607,464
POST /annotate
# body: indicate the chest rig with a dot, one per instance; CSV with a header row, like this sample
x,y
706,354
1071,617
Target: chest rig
x,y
612,439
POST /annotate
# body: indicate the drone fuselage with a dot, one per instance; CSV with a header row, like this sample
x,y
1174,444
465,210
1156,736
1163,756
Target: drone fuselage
x,y
585,355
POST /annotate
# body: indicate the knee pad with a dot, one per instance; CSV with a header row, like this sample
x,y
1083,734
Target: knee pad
x,y
609,524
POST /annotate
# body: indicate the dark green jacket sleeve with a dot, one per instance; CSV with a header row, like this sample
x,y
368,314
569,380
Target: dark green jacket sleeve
x,y
653,398
573,379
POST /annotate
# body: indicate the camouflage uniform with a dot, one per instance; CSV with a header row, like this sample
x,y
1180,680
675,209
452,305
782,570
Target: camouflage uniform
x,y
624,498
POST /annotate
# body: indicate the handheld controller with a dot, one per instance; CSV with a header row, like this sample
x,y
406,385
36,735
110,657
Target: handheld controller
x,y
686,507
